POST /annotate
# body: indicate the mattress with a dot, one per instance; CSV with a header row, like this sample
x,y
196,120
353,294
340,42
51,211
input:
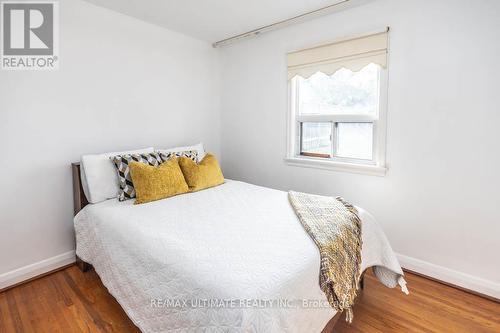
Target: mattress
x,y
233,258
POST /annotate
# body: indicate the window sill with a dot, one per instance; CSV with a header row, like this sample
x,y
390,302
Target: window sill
x,y
364,169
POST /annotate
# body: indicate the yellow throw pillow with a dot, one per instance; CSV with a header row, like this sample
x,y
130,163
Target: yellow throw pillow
x,y
155,183
203,175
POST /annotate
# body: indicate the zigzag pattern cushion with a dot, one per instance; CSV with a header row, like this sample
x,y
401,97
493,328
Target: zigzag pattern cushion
x,y
121,163
191,154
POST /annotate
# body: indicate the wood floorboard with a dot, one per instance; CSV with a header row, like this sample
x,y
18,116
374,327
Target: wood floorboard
x,y
72,301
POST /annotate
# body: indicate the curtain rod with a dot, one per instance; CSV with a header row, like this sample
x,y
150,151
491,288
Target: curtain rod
x,y
278,24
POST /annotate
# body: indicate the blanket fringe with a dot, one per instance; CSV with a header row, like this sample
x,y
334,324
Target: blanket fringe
x,y
402,284
349,315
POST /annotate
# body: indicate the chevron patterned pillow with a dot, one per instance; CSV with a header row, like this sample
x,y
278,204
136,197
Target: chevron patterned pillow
x,y
191,154
121,163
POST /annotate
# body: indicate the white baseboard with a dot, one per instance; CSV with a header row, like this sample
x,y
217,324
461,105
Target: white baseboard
x,y
474,283
30,271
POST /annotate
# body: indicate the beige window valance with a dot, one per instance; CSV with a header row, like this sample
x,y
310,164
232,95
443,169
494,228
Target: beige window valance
x,y
353,54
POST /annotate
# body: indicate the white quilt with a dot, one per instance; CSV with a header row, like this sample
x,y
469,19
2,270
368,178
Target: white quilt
x,y
233,258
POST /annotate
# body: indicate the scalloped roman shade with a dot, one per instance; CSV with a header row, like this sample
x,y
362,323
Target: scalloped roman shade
x,y
353,54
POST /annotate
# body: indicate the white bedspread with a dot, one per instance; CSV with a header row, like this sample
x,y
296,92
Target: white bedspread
x,y
234,244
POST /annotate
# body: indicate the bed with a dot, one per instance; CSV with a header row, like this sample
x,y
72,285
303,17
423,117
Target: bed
x,y
232,258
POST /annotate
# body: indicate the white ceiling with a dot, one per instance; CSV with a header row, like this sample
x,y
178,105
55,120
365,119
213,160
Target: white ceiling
x,y
212,20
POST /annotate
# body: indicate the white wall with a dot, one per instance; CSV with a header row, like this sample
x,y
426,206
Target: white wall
x,y
122,84
440,202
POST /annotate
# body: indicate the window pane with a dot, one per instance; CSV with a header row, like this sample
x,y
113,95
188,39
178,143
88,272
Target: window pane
x,y
355,140
316,139
344,92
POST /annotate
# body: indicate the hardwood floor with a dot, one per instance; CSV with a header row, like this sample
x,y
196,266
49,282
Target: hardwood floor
x,y
65,301
72,301
430,307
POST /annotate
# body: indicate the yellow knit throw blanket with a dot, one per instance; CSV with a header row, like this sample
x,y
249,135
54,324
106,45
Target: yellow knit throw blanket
x,y
335,227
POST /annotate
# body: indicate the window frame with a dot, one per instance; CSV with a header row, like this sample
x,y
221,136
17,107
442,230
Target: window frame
x,y
376,166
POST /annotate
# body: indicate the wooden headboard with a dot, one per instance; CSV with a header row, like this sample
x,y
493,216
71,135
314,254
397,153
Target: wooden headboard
x,y
79,199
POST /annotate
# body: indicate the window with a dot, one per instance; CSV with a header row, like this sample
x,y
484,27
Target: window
x,y
347,103
316,139
337,105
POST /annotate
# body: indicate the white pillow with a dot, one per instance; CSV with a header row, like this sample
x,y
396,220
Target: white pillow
x,y
199,148
99,175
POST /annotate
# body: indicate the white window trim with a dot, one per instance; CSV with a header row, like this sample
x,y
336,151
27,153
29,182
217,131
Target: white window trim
x,y
376,167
